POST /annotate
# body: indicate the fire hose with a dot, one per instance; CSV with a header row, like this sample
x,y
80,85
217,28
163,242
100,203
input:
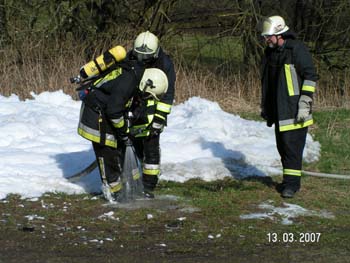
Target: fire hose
x,y
87,170
326,175
93,165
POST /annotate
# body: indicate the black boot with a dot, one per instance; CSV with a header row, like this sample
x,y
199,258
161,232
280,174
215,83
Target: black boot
x,y
148,194
288,193
149,184
289,186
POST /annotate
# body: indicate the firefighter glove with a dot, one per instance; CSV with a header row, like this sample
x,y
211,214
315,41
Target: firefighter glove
x,y
305,108
124,139
122,133
157,126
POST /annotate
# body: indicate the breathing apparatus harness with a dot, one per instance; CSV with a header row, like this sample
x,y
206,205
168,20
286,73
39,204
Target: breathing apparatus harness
x,y
88,82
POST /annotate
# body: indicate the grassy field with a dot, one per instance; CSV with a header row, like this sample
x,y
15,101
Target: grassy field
x,y
333,130
214,52
196,221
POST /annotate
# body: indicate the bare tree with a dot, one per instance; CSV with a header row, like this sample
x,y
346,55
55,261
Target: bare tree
x,y
4,37
250,17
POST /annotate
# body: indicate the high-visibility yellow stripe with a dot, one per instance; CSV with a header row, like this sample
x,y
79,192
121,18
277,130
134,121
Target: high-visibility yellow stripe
x,y
159,116
137,130
163,107
308,88
114,74
101,164
289,79
150,102
296,126
128,104
139,127
151,171
118,123
115,187
145,133
95,138
292,172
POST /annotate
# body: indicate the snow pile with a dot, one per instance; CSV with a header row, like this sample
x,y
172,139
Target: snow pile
x,y
40,148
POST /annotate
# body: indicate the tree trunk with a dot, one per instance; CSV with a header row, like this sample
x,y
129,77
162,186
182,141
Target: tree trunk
x,y
4,37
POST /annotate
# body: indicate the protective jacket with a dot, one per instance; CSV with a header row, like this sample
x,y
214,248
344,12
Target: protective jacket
x,y
163,62
287,73
142,113
105,108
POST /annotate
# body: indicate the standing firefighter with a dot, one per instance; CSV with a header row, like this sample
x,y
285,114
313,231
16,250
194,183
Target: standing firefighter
x,y
288,84
150,114
103,118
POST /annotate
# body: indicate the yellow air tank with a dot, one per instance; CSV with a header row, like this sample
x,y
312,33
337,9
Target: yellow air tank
x,y
104,61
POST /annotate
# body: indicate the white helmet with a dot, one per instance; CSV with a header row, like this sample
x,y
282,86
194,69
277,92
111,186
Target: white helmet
x,y
146,46
273,25
155,82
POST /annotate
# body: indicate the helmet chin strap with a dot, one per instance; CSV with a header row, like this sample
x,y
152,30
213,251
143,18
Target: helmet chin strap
x,y
146,95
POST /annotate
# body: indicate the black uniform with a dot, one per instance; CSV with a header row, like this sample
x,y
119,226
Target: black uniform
x,y
145,111
287,73
102,119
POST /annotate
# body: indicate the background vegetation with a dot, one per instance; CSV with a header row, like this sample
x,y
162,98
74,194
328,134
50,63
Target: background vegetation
x,y
215,44
217,49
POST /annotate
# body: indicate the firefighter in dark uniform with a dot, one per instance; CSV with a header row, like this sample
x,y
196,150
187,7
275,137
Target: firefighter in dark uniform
x,y
103,117
150,116
288,84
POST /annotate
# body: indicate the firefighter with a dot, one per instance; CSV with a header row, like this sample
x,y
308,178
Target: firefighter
x,y
103,118
288,80
149,114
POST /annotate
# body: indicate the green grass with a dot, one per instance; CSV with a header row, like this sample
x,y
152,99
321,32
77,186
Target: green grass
x,y
332,130
72,228
224,51
203,224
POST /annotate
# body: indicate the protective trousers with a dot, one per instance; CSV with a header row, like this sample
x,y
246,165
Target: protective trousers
x,y
290,145
110,162
148,150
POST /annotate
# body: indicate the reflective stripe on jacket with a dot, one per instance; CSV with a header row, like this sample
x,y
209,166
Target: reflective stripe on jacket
x,y
104,108
297,76
90,127
143,112
165,63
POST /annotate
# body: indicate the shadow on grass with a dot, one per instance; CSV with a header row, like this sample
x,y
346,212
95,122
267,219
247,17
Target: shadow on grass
x,y
266,180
